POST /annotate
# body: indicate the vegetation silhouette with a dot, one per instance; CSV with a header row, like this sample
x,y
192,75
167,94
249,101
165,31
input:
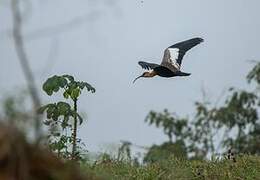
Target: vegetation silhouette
x,y
63,132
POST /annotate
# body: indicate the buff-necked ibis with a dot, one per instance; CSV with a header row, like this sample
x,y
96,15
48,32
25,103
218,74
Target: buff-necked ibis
x,y
171,62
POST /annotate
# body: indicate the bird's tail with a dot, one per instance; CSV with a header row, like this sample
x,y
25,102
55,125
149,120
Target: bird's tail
x,y
183,74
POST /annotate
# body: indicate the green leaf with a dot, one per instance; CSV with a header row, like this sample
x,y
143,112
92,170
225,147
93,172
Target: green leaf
x,y
80,119
89,87
69,77
75,93
62,82
42,109
63,108
64,123
83,85
66,95
53,84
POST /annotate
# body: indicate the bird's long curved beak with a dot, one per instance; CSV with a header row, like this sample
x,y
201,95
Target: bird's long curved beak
x,y
137,78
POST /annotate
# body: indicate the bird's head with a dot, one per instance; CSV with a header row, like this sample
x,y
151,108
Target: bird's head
x,y
145,74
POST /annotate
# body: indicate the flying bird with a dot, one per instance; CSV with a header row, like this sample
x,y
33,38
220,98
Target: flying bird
x,y
171,62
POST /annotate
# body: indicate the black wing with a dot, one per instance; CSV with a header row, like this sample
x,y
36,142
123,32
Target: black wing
x,y
148,66
178,50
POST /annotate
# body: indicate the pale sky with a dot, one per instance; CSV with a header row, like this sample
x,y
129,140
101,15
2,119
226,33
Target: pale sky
x,y
107,38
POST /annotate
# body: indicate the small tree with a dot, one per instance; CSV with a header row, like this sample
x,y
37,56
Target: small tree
x,y
176,129
172,125
61,115
124,151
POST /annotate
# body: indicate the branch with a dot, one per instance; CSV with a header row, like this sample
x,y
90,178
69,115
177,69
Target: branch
x,y
53,31
22,56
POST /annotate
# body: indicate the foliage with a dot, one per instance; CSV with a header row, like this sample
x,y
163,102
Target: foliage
x,y
203,129
172,125
239,113
72,88
238,118
162,152
14,111
62,118
124,151
246,167
254,74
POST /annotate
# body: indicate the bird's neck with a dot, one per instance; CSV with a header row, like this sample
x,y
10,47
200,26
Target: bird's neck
x,y
151,74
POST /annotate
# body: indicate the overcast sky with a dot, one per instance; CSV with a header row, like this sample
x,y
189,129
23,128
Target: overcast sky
x,y
101,41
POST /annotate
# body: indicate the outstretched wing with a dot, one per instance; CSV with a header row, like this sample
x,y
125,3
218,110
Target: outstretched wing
x,y
173,55
148,66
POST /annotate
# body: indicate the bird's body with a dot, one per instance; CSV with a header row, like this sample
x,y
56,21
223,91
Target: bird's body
x,y
165,72
172,59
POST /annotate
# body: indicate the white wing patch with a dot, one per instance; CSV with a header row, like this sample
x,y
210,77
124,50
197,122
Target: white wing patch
x,y
174,54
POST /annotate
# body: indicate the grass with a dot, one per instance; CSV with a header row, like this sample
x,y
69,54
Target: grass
x,y
246,167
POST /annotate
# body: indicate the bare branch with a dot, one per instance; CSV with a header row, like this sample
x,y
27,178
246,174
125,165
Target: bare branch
x,y
62,28
22,56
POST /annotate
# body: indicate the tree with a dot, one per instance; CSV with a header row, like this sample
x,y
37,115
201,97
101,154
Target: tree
x,y
62,115
173,127
24,61
235,124
237,118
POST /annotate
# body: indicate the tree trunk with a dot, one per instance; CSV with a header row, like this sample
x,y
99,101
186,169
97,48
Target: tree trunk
x,y
22,56
74,134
